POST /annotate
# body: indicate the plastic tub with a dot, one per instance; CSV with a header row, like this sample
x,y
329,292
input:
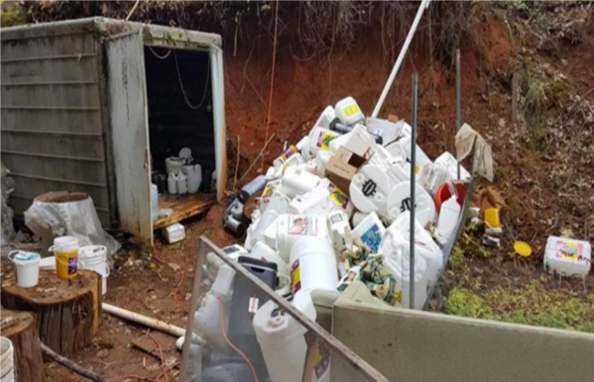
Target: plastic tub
x,y
27,267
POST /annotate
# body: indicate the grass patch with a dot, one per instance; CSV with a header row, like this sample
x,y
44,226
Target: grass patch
x,y
532,305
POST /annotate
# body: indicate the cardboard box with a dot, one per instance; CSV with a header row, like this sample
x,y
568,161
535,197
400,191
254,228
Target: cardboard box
x,y
342,166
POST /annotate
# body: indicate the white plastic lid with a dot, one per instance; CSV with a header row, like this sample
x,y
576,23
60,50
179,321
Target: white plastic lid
x,y
65,243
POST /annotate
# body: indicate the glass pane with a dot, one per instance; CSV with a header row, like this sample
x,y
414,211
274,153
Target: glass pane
x,y
243,331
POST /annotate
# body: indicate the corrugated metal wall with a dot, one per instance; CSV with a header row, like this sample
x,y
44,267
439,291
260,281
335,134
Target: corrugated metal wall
x,y
52,115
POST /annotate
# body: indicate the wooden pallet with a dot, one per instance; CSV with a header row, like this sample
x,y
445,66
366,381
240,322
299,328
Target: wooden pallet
x,y
183,207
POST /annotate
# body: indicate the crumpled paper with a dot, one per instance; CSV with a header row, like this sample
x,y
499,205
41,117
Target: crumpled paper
x,y
468,139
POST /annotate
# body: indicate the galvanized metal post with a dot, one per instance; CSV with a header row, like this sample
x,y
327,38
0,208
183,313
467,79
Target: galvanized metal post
x,y
458,99
413,165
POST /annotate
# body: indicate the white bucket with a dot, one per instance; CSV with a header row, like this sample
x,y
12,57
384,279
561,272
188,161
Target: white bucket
x,y
281,338
27,267
313,265
287,229
94,258
6,360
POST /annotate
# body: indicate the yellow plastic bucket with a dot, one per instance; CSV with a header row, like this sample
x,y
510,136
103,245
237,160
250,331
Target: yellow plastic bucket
x,y
65,249
492,218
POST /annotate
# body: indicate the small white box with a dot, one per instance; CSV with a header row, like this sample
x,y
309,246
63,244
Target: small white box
x,y
174,233
567,257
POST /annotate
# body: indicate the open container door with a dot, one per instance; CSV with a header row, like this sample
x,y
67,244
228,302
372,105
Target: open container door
x,y
129,124
218,105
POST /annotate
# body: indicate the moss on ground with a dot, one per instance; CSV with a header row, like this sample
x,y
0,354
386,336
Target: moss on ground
x,y
531,305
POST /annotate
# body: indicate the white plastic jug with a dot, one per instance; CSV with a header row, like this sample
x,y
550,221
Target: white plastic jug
x,y
261,251
313,265
193,174
399,201
287,229
27,267
369,189
370,231
281,338
94,258
448,217
6,360
399,266
348,111
172,183
154,202
182,184
296,181
424,245
339,230
277,205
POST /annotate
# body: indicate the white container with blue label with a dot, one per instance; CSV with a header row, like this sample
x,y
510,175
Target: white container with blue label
x,y
370,231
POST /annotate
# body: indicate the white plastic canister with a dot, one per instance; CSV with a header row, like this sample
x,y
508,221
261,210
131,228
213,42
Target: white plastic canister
x,y
313,265
6,360
172,183
27,267
399,201
282,340
399,266
339,229
448,217
287,229
182,184
154,202
94,258
193,174
567,257
297,181
348,111
370,231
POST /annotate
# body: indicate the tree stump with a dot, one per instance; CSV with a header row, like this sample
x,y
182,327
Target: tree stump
x,y
68,311
20,328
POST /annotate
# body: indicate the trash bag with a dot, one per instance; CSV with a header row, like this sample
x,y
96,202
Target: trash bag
x,y
6,188
66,213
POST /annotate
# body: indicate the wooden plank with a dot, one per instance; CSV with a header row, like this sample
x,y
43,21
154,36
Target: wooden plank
x,y
183,207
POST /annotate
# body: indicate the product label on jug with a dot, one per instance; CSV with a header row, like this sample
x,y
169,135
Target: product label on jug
x,y
303,225
325,138
295,277
372,238
569,250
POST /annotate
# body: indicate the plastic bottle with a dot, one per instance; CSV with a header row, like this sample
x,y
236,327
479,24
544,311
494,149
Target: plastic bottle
x,y
193,174
348,111
448,217
154,202
370,231
339,230
172,183
282,340
182,184
287,229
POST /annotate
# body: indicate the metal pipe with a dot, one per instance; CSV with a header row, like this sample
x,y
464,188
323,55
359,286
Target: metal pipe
x,y
413,164
458,101
380,102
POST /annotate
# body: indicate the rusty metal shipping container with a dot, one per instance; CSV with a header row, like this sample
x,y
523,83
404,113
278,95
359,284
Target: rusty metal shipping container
x,y
94,105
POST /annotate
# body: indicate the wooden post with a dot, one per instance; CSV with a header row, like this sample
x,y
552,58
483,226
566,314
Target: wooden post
x,y
20,328
68,311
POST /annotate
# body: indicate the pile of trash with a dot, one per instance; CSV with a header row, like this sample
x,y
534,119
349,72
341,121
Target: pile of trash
x,y
335,207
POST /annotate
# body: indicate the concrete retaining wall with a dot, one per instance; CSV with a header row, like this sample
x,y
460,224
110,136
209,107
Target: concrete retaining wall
x,y
410,346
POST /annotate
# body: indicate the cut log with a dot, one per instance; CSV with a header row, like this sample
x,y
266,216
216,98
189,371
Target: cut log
x,y
68,312
21,329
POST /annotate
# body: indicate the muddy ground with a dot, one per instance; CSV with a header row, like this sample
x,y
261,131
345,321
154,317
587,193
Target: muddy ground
x,y
543,146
